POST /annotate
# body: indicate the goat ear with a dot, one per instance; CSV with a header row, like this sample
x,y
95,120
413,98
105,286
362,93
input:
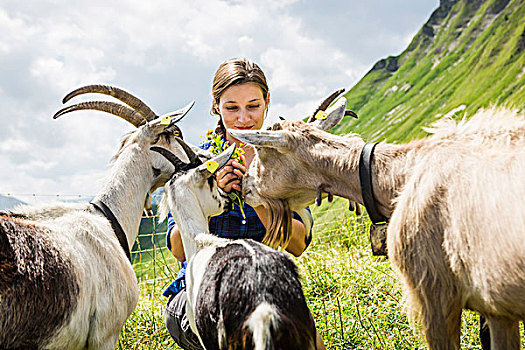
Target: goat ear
x,y
211,166
177,115
333,115
168,120
275,139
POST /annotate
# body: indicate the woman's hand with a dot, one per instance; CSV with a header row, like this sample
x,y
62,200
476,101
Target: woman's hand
x,y
230,176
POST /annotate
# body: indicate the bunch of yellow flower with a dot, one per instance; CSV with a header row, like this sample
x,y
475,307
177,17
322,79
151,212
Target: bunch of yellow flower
x,y
217,146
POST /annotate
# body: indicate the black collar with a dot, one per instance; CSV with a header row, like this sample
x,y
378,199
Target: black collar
x,y
119,232
365,177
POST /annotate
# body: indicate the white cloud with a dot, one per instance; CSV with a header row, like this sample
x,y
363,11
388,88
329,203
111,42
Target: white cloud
x,y
15,32
165,52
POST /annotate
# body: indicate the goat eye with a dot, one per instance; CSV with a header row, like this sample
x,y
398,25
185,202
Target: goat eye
x,y
176,132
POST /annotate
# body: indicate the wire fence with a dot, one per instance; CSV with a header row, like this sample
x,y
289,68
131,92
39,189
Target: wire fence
x,y
153,262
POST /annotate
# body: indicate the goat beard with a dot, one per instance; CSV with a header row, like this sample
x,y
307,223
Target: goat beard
x,y
279,230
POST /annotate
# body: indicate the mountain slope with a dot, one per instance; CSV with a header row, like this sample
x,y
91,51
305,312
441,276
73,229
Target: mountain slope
x,y
9,202
469,54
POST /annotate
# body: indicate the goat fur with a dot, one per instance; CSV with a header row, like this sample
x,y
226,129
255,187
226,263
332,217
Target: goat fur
x,y
65,281
241,294
455,201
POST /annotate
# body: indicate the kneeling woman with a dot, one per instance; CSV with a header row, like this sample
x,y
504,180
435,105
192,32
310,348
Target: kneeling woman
x,y
240,99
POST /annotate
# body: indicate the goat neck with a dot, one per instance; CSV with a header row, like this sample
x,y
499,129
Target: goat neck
x,y
189,216
337,171
299,161
125,189
390,166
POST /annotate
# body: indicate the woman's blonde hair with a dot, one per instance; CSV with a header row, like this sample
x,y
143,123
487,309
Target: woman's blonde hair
x,y
233,72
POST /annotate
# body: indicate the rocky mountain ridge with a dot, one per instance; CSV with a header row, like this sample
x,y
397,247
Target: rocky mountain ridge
x,y
468,55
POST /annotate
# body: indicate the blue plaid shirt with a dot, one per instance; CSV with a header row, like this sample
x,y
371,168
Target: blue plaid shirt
x,y
227,225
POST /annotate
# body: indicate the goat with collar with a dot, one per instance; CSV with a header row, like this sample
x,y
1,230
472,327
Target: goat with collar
x,y
65,281
454,200
241,293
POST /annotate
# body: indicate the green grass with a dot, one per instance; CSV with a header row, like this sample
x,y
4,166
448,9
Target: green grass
x,y
353,295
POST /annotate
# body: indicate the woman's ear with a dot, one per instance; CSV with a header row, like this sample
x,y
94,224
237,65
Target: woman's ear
x,y
216,108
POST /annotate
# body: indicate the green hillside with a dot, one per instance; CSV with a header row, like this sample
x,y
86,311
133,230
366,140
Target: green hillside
x,y
469,54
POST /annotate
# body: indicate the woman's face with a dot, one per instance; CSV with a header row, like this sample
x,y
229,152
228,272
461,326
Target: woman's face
x,y
242,107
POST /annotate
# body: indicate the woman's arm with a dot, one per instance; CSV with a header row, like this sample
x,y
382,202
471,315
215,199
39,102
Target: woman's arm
x,y
297,243
176,247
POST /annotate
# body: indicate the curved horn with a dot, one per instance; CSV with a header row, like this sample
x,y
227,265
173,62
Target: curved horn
x,y
124,96
117,109
324,105
173,159
351,113
192,156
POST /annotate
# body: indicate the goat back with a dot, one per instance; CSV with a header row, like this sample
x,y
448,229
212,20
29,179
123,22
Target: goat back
x,y
37,285
251,298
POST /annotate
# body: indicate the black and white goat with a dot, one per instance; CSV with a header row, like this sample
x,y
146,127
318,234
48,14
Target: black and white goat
x,y
65,279
241,293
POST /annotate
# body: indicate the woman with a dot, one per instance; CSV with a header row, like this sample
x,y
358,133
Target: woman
x,y
240,99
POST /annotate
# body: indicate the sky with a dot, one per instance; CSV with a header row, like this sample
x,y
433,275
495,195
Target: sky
x,y
166,53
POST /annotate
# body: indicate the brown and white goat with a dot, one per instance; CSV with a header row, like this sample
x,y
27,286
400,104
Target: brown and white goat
x,y
241,293
65,280
456,233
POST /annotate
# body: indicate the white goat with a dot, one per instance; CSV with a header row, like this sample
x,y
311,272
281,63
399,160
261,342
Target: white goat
x,y
241,293
65,280
455,201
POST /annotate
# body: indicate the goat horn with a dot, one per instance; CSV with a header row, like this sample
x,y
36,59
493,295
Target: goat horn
x,y
324,105
124,96
351,113
192,156
173,159
117,109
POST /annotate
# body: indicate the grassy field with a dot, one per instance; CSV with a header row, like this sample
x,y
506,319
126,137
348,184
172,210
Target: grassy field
x,y
353,295
469,56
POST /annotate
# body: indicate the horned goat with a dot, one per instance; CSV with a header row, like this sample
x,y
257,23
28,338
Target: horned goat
x,y
456,232
241,293
66,282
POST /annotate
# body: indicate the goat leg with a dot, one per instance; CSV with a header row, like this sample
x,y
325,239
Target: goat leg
x,y
330,197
